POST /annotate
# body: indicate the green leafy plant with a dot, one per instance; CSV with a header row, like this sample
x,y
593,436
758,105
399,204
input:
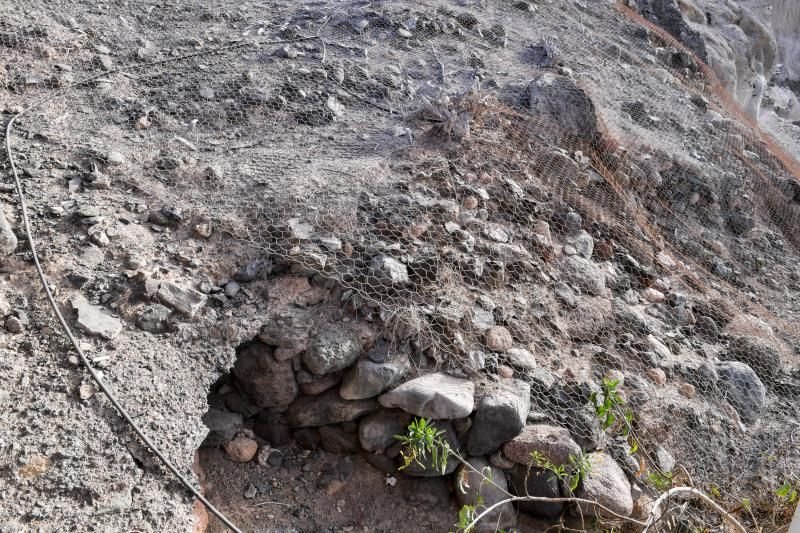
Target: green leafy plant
x,y
572,474
612,410
787,492
424,440
659,480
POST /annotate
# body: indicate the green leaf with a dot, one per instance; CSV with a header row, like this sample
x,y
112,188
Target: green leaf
x,y
784,490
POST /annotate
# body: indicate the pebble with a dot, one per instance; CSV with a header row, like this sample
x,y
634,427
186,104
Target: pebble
x,y
499,339
241,449
505,371
688,390
470,202
14,325
657,375
654,296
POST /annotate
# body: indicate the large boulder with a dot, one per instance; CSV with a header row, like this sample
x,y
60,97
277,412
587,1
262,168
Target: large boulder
x,y
332,348
470,485
742,388
565,108
377,430
553,442
436,396
538,483
267,381
606,484
759,354
499,416
327,408
585,274
368,379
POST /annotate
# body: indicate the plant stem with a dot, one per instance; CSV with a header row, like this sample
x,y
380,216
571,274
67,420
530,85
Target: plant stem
x,y
651,519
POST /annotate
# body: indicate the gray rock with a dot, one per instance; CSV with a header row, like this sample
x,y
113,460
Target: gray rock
x,y
707,328
327,408
520,358
186,301
377,431
757,353
500,415
554,442
471,485
607,485
8,241
436,396
629,319
584,244
389,270
584,273
333,348
95,320
544,98
565,294
154,319
481,318
336,440
268,382
232,289
742,388
664,459
368,379
222,426
288,330
537,483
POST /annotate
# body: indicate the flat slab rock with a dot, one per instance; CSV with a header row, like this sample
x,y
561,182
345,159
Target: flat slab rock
x,y
437,396
607,485
327,408
95,320
184,300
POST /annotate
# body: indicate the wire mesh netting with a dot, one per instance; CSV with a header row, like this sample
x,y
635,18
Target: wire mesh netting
x,y
559,191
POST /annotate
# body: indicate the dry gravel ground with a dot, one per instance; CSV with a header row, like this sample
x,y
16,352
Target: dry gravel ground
x,y
67,461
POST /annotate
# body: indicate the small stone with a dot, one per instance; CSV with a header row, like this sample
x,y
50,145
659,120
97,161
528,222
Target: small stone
x,y
86,391
657,376
14,325
232,289
521,358
404,33
389,270
223,426
154,319
241,449
498,339
688,390
470,202
505,371
654,296
584,274
251,491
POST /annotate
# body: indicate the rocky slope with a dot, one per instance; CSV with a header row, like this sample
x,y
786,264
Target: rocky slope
x,y
284,234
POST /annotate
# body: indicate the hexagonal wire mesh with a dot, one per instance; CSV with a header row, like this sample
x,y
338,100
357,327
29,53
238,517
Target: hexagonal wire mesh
x,y
569,173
